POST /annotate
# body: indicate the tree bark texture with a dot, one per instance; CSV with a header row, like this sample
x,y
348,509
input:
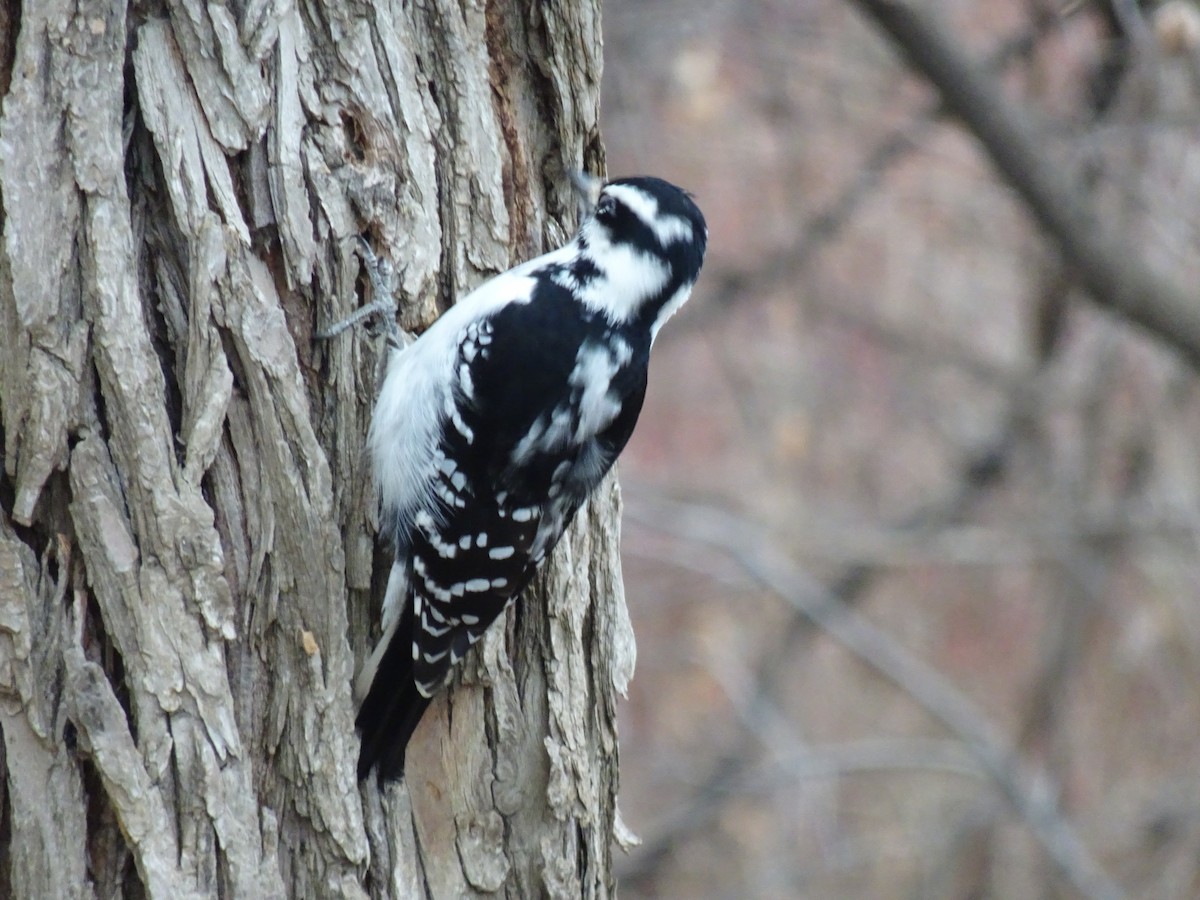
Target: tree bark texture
x,y
188,565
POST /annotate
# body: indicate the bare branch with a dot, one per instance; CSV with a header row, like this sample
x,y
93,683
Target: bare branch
x,y
1029,791
979,472
1116,278
824,226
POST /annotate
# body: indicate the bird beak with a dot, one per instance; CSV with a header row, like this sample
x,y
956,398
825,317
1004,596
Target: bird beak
x,y
588,188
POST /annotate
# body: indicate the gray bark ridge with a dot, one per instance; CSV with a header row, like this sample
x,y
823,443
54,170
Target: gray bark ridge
x,y
187,546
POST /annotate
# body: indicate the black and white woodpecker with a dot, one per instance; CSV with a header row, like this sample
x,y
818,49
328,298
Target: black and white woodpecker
x,y
494,426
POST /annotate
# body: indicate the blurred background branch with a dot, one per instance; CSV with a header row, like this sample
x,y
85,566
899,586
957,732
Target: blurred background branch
x,y
1031,793
886,370
1102,259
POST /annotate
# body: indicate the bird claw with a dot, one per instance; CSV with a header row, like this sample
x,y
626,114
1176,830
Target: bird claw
x,y
383,302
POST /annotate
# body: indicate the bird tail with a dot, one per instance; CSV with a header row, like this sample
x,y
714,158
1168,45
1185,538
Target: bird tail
x,y
392,706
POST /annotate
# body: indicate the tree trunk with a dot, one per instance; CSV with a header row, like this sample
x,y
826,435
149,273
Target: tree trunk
x,y
188,566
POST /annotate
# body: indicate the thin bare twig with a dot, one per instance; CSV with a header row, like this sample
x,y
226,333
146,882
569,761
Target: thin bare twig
x,y
979,472
865,756
827,223
1105,264
1030,792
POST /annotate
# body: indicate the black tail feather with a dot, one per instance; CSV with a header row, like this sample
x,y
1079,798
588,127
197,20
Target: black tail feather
x,y
392,708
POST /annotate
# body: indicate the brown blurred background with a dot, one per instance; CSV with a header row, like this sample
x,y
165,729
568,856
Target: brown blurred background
x,y
911,530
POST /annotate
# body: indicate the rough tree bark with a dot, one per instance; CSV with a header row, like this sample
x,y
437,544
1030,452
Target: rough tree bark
x,y
188,570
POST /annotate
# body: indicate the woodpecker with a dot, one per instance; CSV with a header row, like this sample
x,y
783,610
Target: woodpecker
x,y
494,426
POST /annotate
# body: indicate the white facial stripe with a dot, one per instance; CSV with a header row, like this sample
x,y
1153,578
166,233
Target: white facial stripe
x,y
629,277
672,230
668,229
669,309
643,205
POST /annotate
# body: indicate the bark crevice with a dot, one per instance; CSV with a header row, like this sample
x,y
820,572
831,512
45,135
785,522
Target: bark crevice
x,y
181,198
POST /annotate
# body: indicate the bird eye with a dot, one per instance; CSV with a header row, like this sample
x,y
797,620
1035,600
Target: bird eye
x,y
606,208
